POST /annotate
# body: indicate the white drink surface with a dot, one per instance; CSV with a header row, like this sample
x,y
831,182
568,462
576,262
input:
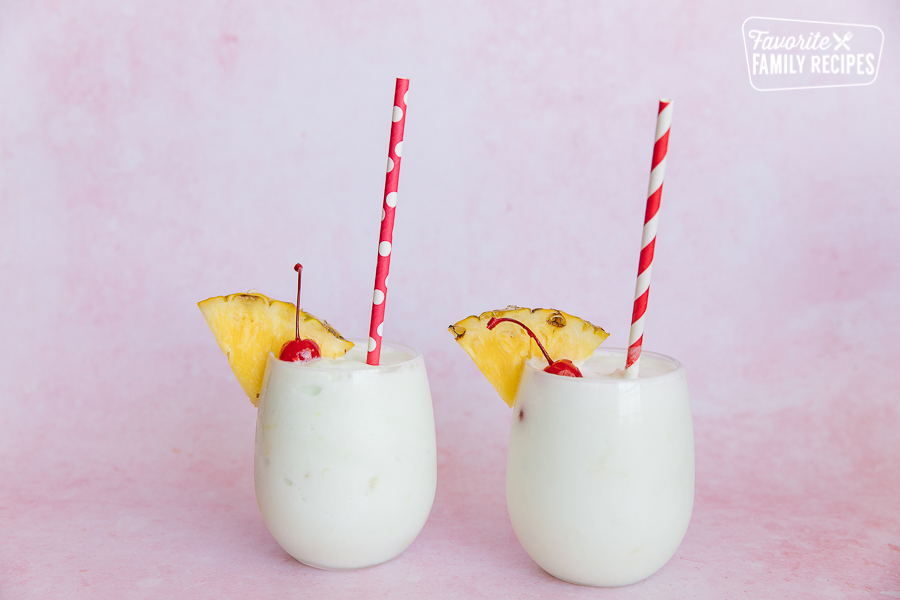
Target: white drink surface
x,y
600,469
611,364
345,466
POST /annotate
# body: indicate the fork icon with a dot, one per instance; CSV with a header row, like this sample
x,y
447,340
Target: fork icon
x,y
842,42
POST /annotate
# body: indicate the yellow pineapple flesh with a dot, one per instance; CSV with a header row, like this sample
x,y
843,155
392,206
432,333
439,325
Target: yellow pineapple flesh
x,y
500,354
249,326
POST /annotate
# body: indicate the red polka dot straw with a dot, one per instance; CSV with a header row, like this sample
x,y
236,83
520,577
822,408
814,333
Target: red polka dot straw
x,y
391,181
648,243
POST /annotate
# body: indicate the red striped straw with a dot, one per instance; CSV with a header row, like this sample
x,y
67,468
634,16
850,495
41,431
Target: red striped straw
x,y
648,244
391,182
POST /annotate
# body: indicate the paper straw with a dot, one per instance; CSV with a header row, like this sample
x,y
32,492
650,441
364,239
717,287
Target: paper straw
x,y
648,243
391,181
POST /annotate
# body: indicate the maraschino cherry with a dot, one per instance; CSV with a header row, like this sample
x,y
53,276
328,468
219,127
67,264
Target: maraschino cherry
x,y
563,366
297,350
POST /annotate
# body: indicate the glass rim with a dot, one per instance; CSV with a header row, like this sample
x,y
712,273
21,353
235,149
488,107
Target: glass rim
x,y
679,368
311,366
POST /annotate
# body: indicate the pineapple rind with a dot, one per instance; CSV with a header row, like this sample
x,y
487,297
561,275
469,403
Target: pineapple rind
x,y
501,354
249,326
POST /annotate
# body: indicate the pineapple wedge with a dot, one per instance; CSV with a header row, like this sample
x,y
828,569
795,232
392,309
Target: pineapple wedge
x,y
501,354
249,326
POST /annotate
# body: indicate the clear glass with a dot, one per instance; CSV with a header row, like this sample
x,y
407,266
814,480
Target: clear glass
x,y
600,470
345,467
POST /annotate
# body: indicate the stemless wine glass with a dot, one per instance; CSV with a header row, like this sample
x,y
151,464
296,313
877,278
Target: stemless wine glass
x,y
345,467
600,469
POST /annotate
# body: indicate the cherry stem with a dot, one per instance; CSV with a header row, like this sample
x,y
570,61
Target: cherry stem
x,y
495,321
299,268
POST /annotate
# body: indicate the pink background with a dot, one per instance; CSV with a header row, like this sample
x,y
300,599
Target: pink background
x,y
153,154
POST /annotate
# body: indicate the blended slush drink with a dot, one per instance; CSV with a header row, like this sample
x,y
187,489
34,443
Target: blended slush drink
x,y
345,466
600,469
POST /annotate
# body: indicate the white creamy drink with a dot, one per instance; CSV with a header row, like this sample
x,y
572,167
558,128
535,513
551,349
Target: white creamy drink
x,y
345,466
600,470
